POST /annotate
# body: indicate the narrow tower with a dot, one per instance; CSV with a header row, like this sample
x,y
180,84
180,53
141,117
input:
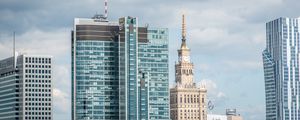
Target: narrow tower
x,y
184,68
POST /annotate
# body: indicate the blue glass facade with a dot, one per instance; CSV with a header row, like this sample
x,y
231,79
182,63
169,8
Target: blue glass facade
x,y
94,72
281,69
96,80
153,59
113,65
129,40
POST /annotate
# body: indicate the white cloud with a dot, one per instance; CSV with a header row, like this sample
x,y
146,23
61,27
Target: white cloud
x,y
55,43
62,91
36,41
216,37
213,91
62,75
221,95
242,64
259,38
61,101
214,94
253,112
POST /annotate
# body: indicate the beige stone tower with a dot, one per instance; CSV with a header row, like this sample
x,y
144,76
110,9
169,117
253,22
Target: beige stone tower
x,y
188,102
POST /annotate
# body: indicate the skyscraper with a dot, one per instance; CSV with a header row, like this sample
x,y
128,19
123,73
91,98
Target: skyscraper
x,y
188,102
281,69
26,88
119,70
94,69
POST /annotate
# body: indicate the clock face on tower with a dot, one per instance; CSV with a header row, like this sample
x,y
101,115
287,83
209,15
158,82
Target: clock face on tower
x,y
185,58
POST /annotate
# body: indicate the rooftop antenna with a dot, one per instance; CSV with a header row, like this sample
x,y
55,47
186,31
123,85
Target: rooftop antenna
x,y
14,43
14,50
105,9
102,17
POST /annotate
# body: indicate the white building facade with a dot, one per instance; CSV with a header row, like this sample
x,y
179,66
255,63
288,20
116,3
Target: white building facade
x,y
216,117
26,88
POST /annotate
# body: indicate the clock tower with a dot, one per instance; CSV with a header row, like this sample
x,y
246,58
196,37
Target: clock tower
x,y
187,100
184,67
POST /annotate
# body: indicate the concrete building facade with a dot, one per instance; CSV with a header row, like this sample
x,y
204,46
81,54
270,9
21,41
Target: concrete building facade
x,y
26,88
232,115
216,117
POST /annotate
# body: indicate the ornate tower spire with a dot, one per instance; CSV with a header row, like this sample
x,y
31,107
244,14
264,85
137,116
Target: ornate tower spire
x,y
183,39
184,68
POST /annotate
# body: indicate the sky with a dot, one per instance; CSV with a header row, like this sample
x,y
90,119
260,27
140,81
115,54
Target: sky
x,y
226,38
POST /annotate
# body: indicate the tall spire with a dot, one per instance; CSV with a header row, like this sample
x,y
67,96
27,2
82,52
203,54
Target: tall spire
x,y
183,27
183,39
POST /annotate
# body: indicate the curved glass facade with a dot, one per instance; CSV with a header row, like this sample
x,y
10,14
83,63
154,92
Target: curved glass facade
x,y
281,69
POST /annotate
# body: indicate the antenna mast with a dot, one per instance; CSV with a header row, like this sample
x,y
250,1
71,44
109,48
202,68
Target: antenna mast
x,y
105,9
14,50
14,44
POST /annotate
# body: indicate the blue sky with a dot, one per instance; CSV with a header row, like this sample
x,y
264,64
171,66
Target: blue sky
x,y
226,38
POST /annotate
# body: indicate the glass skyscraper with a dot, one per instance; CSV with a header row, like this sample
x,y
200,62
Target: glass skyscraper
x,y
281,69
153,58
119,70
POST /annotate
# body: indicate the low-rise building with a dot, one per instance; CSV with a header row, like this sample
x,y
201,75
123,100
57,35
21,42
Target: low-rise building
x,y
231,114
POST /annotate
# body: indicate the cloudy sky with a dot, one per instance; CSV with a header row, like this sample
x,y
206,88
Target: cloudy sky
x,y
226,38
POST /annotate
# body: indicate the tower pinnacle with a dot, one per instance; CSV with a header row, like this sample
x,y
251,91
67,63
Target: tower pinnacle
x,y
183,39
183,27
